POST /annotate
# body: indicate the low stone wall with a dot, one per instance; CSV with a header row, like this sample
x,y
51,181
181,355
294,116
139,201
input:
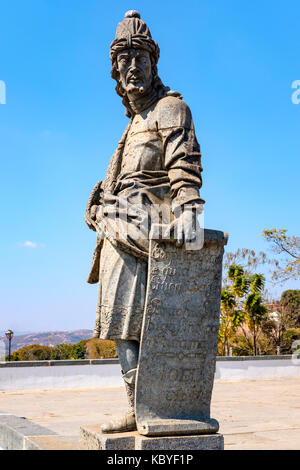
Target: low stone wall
x,y
98,373
236,369
50,375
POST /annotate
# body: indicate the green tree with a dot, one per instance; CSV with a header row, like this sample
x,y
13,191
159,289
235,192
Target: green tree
x,y
288,248
241,301
69,351
288,337
290,303
243,344
282,326
248,259
253,305
230,319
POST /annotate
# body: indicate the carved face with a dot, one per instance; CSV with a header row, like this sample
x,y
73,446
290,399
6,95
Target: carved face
x,y
135,69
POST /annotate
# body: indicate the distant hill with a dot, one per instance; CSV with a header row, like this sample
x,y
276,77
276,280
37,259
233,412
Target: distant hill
x,y
48,338
17,333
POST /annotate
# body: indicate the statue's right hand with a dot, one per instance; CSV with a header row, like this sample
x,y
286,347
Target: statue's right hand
x,y
92,206
93,212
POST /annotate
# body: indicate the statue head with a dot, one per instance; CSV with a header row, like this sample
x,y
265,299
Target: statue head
x,y
134,68
134,55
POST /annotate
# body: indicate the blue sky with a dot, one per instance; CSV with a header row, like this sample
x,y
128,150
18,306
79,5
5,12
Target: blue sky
x,y
234,62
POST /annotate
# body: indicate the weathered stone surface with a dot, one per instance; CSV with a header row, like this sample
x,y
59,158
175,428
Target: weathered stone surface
x,y
173,427
13,431
179,339
51,443
91,438
203,442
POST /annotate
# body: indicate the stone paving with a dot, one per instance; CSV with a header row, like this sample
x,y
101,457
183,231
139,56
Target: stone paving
x,y
253,415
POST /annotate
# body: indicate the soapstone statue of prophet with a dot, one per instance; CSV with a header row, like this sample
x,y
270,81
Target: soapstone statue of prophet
x,y
156,165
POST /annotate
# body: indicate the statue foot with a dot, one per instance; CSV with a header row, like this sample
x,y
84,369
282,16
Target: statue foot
x,y
125,424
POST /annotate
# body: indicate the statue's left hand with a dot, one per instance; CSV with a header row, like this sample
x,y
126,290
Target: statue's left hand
x,y
185,225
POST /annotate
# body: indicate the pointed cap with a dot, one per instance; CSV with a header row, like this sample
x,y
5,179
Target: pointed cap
x,y
133,32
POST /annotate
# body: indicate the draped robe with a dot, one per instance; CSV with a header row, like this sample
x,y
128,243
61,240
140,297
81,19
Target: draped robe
x,y
157,165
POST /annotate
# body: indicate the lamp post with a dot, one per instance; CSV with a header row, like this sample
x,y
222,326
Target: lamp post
x,y
9,334
254,333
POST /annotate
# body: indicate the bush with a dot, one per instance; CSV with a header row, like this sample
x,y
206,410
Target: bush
x,y
34,352
242,345
287,339
37,352
101,349
86,349
69,351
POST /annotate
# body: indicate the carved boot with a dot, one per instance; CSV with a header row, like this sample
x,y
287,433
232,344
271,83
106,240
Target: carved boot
x,y
127,423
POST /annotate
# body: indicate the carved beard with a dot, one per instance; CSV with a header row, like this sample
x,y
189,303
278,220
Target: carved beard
x,y
141,90
137,88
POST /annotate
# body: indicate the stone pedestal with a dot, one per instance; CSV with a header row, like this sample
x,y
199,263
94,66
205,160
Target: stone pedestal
x,y
91,438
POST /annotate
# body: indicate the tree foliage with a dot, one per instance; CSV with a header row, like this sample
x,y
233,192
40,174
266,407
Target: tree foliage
x,y
241,302
37,352
100,348
69,351
288,249
290,304
231,318
85,349
248,259
287,340
243,344
34,352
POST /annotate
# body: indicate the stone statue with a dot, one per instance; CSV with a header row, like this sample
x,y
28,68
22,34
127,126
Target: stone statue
x,y
154,173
